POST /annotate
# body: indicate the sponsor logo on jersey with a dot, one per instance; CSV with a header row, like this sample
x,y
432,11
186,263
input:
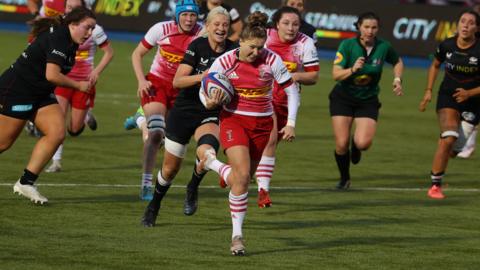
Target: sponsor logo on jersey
x,y
449,55
291,66
233,76
253,92
59,53
338,58
192,53
81,55
468,116
473,60
362,80
22,108
171,57
203,61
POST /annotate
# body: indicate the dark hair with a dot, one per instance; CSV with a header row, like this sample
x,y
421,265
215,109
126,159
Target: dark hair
x,y
284,2
75,16
473,13
284,10
369,15
82,3
255,26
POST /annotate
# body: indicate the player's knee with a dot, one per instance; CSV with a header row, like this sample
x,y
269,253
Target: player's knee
x,y
175,148
363,144
209,139
156,128
169,172
448,137
4,146
76,132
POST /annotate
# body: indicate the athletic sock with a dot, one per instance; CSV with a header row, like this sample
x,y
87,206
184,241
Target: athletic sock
x,y
238,210
264,172
343,164
437,178
161,188
28,178
196,178
58,154
224,172
147,179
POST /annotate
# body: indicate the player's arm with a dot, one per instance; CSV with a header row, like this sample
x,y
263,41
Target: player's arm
x,y
137,56
106,59
397,77
309,75
54,75
305,77
183,79
431,77
32,6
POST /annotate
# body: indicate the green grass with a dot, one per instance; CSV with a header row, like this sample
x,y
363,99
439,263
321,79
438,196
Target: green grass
x,y
310,226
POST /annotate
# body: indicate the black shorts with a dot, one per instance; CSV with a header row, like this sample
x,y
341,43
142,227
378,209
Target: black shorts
x,y
181,125
343,104
469,109
14,101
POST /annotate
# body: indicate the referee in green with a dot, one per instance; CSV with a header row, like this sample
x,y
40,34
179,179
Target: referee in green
x,y
357,69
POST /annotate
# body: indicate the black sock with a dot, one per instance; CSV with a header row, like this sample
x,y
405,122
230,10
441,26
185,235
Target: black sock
x,y
28,178
343,164
196,179
158,195
437,178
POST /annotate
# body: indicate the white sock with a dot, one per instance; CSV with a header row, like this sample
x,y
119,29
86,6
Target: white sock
x,y
87,115
238,210
147,179
58,154
470,144
140,120
264,172
225,171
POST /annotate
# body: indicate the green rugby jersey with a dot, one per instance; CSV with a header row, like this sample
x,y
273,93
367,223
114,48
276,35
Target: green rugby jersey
x,y
363,84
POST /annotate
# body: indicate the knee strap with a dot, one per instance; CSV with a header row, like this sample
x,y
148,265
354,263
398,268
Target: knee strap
x,y
449,133
210,140
76,134
156,122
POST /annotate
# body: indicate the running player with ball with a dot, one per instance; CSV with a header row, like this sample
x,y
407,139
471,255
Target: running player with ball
x,y
188,117
246,122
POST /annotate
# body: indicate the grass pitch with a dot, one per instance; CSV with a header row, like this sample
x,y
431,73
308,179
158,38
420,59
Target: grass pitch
x,y
385,221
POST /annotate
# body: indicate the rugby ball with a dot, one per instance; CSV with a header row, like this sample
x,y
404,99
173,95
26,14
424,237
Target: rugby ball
x,y
216,81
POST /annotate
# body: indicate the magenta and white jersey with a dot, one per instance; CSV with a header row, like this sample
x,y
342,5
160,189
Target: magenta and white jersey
x,y
85,54
171,47
253,82
297,55
52,8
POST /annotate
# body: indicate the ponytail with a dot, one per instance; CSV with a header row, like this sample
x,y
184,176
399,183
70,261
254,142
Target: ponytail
x,y
255,26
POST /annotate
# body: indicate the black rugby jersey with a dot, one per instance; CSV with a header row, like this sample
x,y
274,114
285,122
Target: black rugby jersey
x,y
200,56
53,46
462,66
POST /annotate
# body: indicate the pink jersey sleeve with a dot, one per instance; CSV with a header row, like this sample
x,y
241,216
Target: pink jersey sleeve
x,y
154,34
310,57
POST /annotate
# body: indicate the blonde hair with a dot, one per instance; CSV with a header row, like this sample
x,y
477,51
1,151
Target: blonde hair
x,y
211,14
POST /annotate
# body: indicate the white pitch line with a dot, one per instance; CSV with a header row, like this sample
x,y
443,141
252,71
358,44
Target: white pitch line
x,y
253,187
